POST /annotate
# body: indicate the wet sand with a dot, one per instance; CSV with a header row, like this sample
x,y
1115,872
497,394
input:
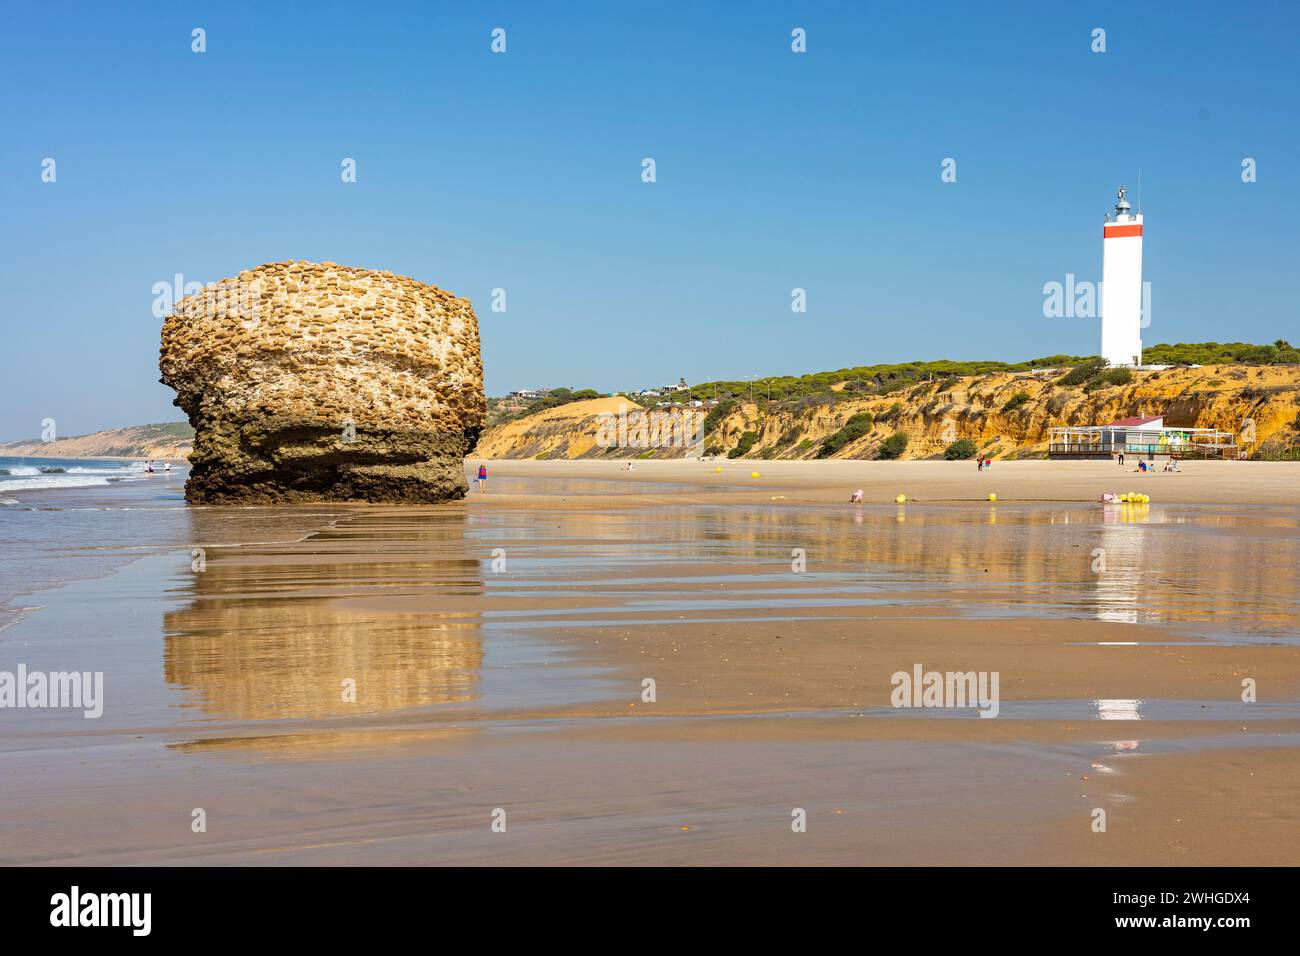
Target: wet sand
x,y
499,648
1200,482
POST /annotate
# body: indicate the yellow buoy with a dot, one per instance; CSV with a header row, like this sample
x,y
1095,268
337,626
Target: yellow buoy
x,y
901,499
753,474
719,468
992,496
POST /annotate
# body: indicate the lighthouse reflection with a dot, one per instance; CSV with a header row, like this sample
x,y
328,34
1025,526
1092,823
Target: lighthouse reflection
x,y
1118,709
336,624
1117,584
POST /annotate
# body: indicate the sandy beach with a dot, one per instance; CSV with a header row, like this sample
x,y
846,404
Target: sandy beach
x,y
499,649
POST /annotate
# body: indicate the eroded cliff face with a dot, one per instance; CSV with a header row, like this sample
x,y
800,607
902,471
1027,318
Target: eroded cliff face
x,y
315,381
977,408
614,427
986,409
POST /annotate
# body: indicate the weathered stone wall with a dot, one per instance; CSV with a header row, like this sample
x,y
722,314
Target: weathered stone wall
x,y
309,381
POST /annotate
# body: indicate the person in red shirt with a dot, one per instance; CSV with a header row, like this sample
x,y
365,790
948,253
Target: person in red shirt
x,y
482,478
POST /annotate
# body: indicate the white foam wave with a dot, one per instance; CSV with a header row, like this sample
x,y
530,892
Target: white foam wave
x,y
110,469
29,477
54,481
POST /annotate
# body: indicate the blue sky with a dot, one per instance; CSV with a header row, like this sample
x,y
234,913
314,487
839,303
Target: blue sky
x,y
523,171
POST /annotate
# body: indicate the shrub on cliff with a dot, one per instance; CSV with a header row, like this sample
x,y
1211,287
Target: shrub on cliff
x,y
717,413
960,450
1281,352
1081,373
817,400
1107,378
744,445
554,399
1056,404
857,426
893,446
1015,401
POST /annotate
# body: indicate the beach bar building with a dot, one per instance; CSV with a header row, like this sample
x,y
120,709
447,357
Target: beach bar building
x,y
1141,437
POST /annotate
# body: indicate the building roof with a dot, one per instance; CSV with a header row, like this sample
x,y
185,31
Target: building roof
x,y
1135,422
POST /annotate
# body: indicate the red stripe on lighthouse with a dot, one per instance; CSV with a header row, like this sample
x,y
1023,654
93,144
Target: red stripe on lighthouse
x,y
1115,232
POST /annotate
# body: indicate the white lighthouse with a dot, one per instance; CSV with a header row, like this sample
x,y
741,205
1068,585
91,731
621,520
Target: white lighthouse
x,y
1121,285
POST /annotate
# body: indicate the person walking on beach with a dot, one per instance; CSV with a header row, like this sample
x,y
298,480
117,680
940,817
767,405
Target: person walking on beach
x,y
482,478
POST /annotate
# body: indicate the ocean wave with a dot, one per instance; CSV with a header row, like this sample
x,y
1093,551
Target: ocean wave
x,y
56,481
56,473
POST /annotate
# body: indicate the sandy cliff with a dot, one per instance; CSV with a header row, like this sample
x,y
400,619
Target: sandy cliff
x,y
614,427
1004,414
166,440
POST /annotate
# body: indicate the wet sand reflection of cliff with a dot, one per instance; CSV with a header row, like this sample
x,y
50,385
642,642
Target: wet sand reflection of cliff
x,y
264,635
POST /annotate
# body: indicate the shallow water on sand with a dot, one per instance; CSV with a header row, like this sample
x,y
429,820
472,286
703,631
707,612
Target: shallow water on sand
x,y
435,607
312,630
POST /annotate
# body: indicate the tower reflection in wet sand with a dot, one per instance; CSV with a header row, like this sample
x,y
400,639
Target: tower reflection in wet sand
x,y
277,631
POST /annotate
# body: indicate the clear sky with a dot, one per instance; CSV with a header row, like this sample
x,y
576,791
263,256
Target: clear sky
x,y
522,171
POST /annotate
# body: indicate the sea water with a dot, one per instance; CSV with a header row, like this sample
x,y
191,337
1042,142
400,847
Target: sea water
x,y
64,519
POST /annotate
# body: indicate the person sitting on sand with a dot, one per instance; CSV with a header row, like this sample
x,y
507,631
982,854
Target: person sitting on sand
x,y
856,497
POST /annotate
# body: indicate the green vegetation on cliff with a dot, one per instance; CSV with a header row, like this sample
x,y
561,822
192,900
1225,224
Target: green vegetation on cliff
x,y
501,410
960,450
863,381
893,446
1280,352
857,426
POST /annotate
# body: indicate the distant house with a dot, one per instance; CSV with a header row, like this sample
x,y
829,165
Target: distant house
x,y
681,386
529,393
